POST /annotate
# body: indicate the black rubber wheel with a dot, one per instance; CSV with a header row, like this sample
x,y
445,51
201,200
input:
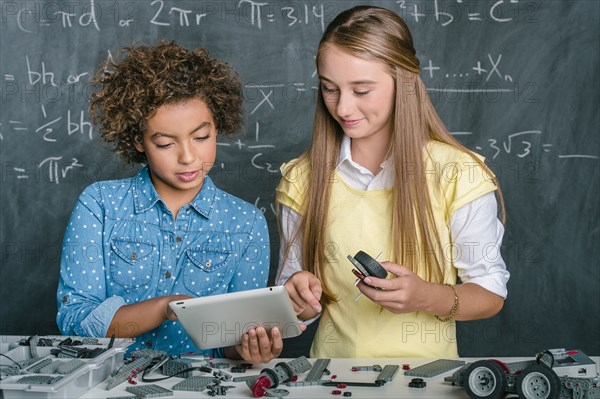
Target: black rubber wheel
x,y
372,267
538,382
485,379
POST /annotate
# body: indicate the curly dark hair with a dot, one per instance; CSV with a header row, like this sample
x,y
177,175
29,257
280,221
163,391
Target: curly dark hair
x,y
146,77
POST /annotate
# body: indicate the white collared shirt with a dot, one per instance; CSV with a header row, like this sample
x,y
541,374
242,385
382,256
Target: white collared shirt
x,y
475,228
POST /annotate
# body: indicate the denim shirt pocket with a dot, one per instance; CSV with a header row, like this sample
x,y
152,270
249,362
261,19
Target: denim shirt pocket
x,y
132,262
206,269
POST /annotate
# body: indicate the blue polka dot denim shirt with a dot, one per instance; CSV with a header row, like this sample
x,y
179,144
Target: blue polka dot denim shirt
x,y
122,246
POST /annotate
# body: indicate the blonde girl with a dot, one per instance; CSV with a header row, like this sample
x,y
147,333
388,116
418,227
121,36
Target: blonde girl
x,y
383,175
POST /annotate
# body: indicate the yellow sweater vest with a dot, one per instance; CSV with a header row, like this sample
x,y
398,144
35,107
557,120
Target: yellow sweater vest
x,y
361,220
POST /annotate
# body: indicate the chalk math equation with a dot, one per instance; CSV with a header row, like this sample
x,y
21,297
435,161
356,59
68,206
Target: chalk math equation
x,y
129,14
56,169
446,13
521,144
485,76
97,15
486,68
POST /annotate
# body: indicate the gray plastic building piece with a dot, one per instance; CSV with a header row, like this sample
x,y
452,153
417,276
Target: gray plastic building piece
x,y
149,391
151,353
281,373
218,390
175,366
374,367
33,342
276,393
125,371
434,368
38,366
28,362
223,376
388,373
317,370
376,384
68,352
296,366
50,368
69,367
516,366
244,378
417,383
39,379
304,383
9,371
194,384
300,365
34,379
221,365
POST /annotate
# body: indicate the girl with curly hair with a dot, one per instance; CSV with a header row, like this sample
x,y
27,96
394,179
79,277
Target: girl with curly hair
x,y
384,176
134,245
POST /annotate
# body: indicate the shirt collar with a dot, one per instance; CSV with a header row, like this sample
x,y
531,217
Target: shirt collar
x,y
205,200
346,157
145,195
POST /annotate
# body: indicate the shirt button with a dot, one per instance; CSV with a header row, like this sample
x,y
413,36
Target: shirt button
x,y
178,239
64,299
148,344
208,263
168,275
133,256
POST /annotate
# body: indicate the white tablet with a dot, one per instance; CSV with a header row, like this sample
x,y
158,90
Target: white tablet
x,y
221,320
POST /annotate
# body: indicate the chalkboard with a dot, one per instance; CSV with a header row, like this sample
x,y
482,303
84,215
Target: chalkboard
x,y
517,81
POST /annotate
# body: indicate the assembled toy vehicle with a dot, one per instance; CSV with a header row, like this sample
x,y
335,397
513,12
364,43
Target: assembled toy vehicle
x,y
554,374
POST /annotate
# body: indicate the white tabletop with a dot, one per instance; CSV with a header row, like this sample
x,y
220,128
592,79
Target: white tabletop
x,y
397,388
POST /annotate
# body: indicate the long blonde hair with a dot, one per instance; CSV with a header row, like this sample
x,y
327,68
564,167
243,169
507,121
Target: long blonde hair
x,y
378,34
